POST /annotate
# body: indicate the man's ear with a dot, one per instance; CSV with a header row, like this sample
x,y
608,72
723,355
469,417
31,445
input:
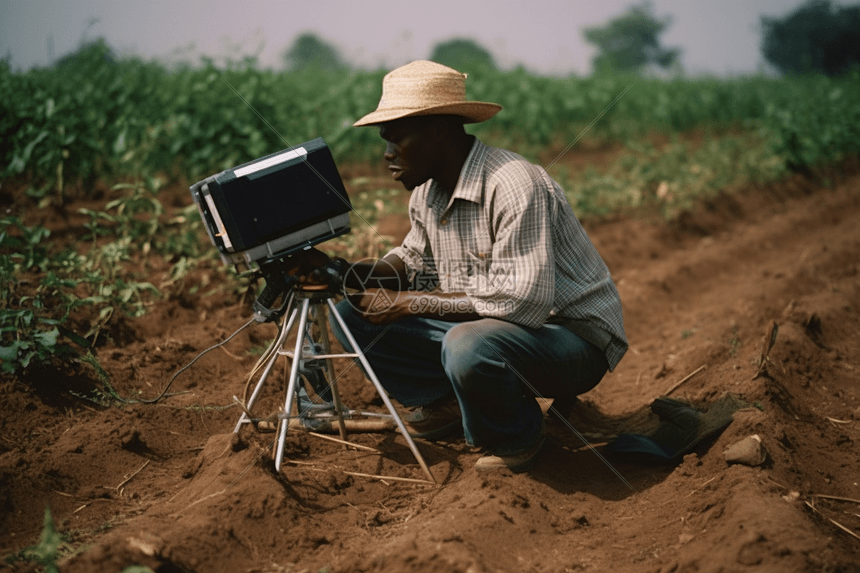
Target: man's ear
x,y
443,127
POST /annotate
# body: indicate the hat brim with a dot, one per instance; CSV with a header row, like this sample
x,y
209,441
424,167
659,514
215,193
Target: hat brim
x,y
471,111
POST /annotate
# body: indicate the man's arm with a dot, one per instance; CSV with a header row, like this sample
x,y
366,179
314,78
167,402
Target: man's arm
x,y
381,306
385,294
384,291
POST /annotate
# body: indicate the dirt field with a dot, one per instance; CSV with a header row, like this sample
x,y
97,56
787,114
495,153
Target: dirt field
x,y
171,487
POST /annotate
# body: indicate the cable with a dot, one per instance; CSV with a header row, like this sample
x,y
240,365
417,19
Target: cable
x,y
187,366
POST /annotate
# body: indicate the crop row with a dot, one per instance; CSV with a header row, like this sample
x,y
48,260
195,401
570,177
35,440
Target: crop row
x,y
94,115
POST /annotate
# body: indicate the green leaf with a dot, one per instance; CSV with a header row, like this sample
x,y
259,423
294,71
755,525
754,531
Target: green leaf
x,y
20,161
119,144
9,353
47,339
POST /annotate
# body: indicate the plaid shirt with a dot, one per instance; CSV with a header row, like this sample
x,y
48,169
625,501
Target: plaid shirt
x,y
509,239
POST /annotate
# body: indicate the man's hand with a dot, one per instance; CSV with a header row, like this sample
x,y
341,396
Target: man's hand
x,y
381,306
378,305
303,263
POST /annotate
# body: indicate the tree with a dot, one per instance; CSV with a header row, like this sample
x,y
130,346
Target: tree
x,y
310,52
462,53
817,37
89,55
631,41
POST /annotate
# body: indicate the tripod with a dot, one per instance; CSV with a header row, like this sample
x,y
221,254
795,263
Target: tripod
x,y
303,299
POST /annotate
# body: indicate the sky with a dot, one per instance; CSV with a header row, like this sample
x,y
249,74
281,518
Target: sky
x,y
717,37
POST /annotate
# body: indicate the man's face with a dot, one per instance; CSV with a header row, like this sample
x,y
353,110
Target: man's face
x,y
411,149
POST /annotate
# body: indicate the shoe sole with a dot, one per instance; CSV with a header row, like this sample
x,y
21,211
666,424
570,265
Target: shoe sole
x,y
523,466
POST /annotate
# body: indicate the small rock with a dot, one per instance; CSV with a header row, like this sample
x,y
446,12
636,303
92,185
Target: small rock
x,y
685,538
749,452
147,544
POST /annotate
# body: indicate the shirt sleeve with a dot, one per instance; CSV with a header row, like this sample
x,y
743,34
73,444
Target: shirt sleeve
x,y
519,273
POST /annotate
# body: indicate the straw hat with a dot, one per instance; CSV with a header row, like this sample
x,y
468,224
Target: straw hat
x,y
426,88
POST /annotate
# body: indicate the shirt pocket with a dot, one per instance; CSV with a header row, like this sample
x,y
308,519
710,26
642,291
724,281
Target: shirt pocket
x,y
479,263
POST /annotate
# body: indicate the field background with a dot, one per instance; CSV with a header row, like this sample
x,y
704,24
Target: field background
x,y
720,205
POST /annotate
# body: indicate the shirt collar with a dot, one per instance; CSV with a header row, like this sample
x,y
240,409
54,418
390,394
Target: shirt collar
x,y
470,184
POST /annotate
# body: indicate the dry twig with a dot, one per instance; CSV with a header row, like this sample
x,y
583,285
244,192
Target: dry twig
x,y
833,521
685,378
128,479
848,499
700,487
767,344
383,478
344,442
358,474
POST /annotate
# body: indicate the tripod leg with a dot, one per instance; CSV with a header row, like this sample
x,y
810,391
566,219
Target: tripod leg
x,y
322,328
291,312
381,391
284,423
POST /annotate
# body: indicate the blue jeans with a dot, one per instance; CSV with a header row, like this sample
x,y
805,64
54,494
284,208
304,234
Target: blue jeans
x,y
495,369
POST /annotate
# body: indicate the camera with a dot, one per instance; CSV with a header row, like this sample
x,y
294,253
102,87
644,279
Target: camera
x,y
275,205
262,211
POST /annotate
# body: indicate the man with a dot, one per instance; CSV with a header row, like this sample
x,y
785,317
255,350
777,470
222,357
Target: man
x,y
496,295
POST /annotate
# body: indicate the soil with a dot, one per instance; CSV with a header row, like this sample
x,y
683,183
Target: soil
x,y
171,487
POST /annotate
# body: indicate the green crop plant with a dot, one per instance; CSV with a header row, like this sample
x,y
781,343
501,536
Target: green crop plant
x,y
51,547
44,294
27,339
24,245
671,178
819,124
98,115
734,342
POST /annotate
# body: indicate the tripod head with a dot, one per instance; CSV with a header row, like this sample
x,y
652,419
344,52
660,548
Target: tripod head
x,y
308,270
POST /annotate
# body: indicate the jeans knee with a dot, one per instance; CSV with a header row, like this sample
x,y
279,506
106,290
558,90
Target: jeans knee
x,y
344,309
348,315
466,354
458,347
